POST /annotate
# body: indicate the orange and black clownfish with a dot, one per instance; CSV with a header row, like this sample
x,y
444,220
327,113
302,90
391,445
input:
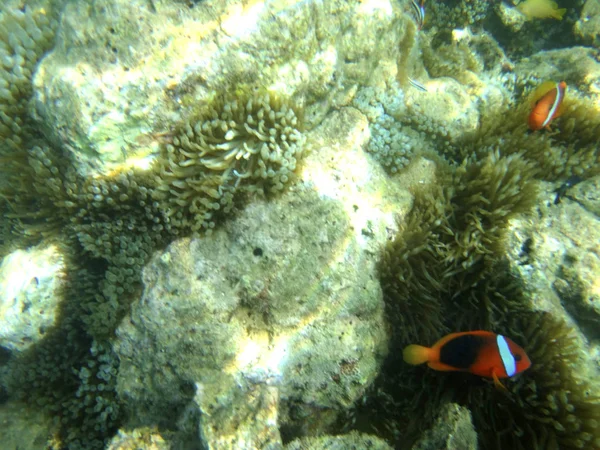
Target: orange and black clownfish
x,y
481,353
547,102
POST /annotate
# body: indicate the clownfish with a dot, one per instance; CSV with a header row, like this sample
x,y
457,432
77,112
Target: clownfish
x,y
547,101
481,353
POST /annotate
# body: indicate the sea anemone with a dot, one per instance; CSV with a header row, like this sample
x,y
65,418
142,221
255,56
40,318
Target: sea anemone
x,y
244,142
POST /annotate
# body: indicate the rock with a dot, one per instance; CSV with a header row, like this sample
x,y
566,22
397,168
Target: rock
x,y
453,430
587,194
558,262
274,320
350,441
30,295
25,428
574,63
588,26
111,93
510,16
139,438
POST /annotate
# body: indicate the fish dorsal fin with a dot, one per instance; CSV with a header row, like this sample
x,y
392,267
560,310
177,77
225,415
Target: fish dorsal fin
x,y
541,90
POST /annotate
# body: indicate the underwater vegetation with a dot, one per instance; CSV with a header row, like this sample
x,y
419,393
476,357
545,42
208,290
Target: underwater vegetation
x,y
108,225
554,407
112,226
24,36
443,271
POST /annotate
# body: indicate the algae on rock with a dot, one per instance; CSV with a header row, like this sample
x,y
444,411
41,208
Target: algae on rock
x,y
290,328
289,332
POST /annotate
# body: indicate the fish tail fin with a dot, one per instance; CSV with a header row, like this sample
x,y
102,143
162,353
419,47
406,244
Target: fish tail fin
x,y
416,354
560,13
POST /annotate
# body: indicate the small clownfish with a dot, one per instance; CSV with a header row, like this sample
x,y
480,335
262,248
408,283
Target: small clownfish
x,y
547,101
481,353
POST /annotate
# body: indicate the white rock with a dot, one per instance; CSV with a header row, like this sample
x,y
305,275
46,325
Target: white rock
x,y
30,285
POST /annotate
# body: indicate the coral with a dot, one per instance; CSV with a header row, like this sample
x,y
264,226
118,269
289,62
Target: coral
x,y
588,25
113,223
119,224
437,274
389,144
522,38
272,311
443,271
24,428
113,219
457,13
461,54
392,145
400,131
68,375
110,225
238,143
570,149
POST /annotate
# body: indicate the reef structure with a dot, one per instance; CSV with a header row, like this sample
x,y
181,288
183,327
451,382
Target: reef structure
x,y
259,192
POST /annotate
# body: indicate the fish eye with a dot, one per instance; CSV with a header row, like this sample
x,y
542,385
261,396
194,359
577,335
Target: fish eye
x,y
517,357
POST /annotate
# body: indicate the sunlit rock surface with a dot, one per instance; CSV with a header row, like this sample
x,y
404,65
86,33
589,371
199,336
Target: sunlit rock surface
x,y
30,295
351,440
109,91
146,438
557,254
276,319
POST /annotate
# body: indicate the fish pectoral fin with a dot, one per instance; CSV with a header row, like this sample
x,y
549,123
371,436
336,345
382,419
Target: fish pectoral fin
x,y
497,383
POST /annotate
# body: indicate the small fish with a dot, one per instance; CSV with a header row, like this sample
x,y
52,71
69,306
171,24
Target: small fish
x,y
541,9
419,12
417,85
481,353
547,101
